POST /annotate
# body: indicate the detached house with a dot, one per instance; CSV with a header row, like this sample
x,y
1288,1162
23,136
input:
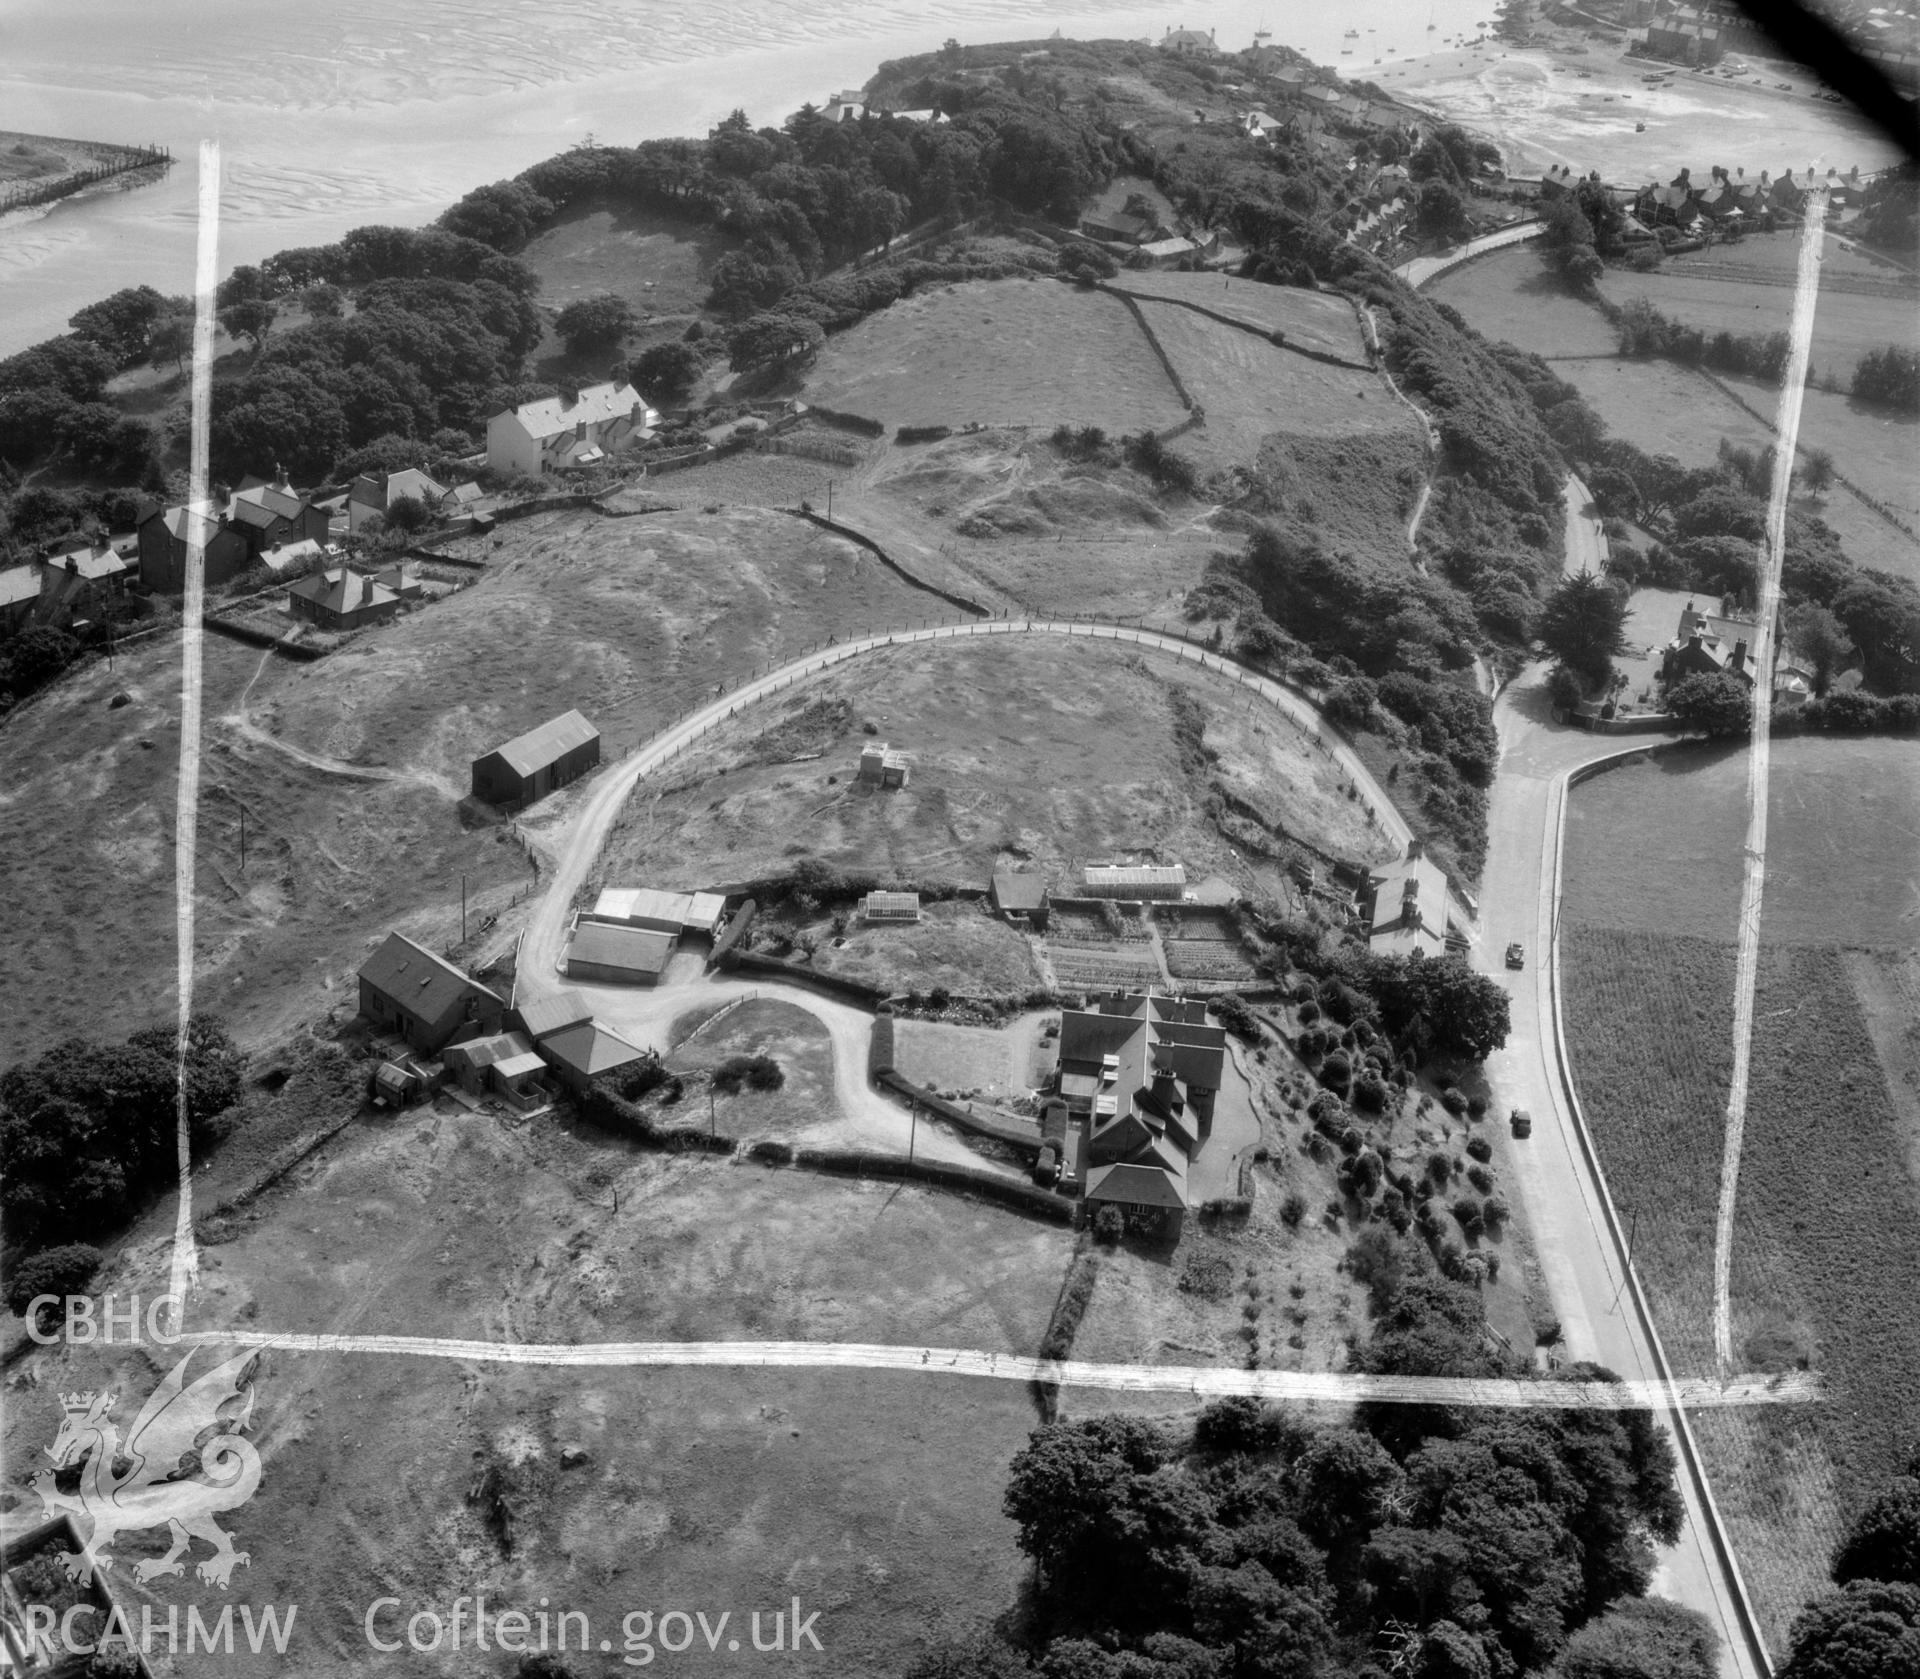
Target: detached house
x,y
376,492
427,1000
1409,906
559,432
1140,1074
342,599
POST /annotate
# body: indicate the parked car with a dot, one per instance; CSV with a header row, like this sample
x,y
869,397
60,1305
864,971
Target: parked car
x,y
1516,955
1522,1123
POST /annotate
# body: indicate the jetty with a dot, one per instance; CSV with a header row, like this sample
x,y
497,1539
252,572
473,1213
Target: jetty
x,y
88,163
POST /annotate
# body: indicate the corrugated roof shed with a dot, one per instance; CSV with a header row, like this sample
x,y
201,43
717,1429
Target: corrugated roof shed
x,y
634,949
538,747
518,1066
544,1015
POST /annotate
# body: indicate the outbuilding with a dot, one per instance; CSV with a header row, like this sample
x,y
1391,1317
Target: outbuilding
x,y
532,765
1135,882
607,953
891,906
1019,893
580,1054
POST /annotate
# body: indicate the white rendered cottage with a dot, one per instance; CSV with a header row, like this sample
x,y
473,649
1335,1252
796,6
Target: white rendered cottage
x,y
558,432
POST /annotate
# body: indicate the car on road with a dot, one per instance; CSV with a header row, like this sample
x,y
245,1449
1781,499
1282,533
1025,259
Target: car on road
x,y
1516,955
1522,1123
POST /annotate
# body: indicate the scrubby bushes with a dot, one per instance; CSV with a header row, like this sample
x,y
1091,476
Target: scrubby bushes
x,y
747,1072
64,1270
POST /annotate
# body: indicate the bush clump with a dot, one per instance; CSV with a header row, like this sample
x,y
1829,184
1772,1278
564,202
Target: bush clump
x,y
748,1072
63,1270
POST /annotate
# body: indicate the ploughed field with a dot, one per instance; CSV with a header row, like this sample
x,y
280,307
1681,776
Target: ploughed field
x,y
1826,1248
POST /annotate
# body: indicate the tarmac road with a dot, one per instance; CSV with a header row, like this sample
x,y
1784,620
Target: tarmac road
x,y
1581,1247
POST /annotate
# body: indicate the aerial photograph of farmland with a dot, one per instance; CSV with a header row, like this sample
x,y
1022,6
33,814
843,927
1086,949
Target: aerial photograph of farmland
x,y
960,844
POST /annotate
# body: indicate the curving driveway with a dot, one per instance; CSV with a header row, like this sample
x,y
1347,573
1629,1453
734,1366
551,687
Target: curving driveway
x,y
1580,1238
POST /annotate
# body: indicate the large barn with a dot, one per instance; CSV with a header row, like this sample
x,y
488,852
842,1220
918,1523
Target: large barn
x,y
532,765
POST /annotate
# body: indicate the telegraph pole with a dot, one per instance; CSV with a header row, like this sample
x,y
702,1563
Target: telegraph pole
x,y
463,909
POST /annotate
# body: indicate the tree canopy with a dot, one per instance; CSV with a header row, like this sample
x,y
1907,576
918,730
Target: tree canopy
x,y
1583,623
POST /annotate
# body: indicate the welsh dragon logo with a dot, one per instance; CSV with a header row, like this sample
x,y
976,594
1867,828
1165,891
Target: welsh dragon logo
x,y
182,1463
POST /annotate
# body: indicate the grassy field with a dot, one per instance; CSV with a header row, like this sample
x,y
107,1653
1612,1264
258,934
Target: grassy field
x,y
631,620
1655,845
874,1499
1002,516
87,816
1035,747
1002,1063
961,946
1007,352
1826,1250
1846,324
1311,318
762,1026
1508,294
658,263
1669,409
1252,390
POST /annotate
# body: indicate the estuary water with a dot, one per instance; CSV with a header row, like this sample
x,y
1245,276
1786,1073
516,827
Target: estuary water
x,y
335,113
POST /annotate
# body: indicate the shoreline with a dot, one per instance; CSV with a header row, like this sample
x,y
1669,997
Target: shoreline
x,y
1577,101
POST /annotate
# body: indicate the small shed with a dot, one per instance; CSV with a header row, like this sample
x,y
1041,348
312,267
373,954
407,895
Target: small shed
x,y
891,906
880,766
520,1081
532,765
1017,892
606,953
471,1062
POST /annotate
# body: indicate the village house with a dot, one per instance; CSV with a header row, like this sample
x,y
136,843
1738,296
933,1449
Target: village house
x,y
166,535
429,1002
341,599
1139,1075
373,494
1190,43
1116,227
561,432
532,765
1726,644
66,588
1407,906
271,512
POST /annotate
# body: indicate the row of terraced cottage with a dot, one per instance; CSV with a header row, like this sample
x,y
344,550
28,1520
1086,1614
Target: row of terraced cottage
x,y
266,523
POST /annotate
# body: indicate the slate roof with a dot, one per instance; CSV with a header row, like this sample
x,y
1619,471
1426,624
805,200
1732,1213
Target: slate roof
x,y
590,1049
1137,1186
343,590
18,583
421,982
597,404
539,747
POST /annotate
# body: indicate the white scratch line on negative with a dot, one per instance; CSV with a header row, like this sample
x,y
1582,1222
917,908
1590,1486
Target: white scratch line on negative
x,y
1759,766
186,820
1204,1380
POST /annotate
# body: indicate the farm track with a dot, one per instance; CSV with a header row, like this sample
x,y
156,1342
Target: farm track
x,y
242,724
